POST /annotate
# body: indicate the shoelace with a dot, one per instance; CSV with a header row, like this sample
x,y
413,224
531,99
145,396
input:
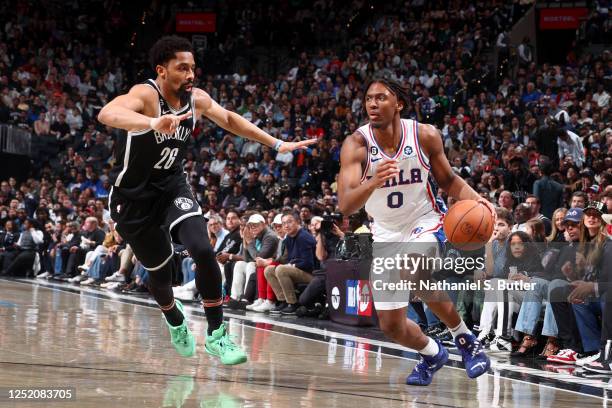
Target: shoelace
x,y
183,334
227,342
563,353
475,348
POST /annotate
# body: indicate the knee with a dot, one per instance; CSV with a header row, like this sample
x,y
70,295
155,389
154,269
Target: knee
x,y
239,267
391,327
281,270
270,272
250,268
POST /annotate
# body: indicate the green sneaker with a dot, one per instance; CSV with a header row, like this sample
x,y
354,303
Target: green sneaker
x,y
220,344
181,337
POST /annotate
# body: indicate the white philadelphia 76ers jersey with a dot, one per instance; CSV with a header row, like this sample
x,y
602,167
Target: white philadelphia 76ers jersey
x,y
405,207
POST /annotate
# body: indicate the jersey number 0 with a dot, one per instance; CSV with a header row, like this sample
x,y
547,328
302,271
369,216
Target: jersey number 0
x,y
395,199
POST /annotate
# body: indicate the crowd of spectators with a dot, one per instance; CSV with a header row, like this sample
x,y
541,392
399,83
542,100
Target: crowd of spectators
x,y
533,138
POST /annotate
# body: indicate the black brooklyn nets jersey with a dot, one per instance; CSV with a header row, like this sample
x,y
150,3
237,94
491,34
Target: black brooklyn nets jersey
x,y
149,162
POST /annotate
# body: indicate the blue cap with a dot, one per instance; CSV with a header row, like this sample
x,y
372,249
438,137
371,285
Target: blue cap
x,y
573,214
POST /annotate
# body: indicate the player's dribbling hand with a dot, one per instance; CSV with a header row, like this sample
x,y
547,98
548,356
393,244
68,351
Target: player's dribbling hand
x,y
168,123
490,207
387,170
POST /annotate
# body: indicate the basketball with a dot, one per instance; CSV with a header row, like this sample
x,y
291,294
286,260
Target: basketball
x,y
468,225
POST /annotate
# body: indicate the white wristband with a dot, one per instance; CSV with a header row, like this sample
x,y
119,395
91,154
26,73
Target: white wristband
x,y
278,144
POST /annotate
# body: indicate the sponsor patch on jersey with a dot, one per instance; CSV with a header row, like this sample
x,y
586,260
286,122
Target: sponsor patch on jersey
x,y
408,151
373,150
183,203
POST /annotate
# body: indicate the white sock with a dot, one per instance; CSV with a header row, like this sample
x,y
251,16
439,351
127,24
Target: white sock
x,y
431,349
461,329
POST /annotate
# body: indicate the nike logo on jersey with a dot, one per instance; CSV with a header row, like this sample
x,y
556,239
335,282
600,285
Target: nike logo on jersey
x,y
376,159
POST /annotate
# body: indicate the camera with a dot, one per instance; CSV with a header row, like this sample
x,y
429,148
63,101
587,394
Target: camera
x,y
328,222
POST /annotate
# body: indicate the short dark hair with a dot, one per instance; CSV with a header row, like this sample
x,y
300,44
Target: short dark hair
x,y
580,194
397,89
166,48
292,214
505,215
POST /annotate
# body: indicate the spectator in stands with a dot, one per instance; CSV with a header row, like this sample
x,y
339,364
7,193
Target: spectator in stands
x,y
23,263
536,230
258,242
593,243
579,200
9,237
534,204
123,275
229,247
495,257
559,288
327,240
296,265
506,200
584,290
236,200
522,213
548,191
104,259
558,228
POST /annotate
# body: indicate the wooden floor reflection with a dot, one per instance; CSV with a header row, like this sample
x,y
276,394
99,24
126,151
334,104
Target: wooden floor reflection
x,y
118,355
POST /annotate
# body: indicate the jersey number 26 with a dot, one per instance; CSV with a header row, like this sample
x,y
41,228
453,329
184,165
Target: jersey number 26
x,y
167,158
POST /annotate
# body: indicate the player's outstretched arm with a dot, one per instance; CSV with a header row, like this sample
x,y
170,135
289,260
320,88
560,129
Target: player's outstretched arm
x,y
238,125
352,194
455,186
125,112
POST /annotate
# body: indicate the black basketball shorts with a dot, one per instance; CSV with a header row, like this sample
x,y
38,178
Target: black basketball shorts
x,y
148,225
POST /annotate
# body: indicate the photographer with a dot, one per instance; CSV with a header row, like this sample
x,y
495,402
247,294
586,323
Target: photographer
x,y
327,235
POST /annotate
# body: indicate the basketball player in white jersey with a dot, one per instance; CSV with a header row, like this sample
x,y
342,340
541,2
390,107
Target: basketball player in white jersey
x,y
385,165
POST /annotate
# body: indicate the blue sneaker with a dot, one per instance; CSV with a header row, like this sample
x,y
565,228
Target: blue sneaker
x,y
423,372
474,358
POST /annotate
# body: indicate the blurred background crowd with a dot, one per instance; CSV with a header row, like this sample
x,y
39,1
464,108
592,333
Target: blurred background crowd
x,y
534,138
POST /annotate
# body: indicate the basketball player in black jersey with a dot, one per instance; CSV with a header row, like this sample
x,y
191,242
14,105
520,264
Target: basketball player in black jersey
x,y
151,201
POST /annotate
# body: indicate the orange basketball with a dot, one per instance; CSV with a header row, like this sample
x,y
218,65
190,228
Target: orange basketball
x,y
468,225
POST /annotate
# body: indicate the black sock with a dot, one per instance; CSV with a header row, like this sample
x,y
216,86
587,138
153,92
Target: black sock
x,y
214,316
174,316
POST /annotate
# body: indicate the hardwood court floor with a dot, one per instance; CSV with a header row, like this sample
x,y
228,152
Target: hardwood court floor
x,y
118,354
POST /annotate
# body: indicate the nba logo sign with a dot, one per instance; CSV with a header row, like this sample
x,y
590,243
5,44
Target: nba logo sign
x,y
365,299
352,297
358,298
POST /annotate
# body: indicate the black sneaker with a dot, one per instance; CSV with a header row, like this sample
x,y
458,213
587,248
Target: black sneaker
x,y
324,315
432,331
233,304
302,311
446,338
289,310
601,365
279,306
